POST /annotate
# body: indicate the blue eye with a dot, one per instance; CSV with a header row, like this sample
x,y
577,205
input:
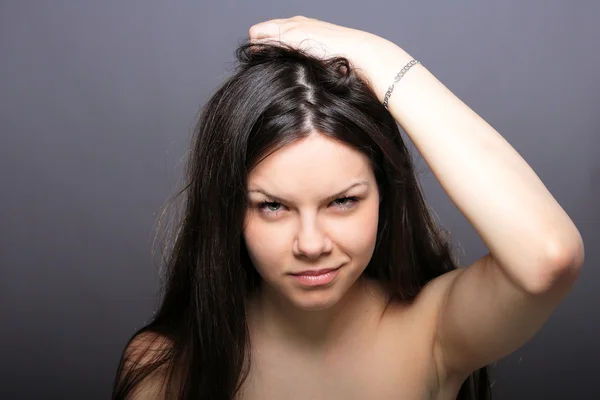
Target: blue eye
x,y
342,203
271,206
346,202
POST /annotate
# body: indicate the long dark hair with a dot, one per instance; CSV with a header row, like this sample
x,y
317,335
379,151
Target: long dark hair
x,y
276,96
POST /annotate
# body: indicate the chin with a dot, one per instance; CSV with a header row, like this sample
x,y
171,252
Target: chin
x,y
322,297
315,304
317,299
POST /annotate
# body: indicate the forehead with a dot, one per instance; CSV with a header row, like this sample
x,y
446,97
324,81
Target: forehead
x,y
315,162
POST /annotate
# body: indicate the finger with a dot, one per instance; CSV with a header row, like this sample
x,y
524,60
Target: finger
x,y
273,27
265,30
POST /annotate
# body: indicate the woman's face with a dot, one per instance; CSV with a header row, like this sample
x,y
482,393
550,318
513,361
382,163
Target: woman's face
x,y
314,205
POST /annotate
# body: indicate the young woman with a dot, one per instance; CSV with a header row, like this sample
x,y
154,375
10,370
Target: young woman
x,y
307,265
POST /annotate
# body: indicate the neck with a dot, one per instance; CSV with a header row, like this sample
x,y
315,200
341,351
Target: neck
x,y
275,318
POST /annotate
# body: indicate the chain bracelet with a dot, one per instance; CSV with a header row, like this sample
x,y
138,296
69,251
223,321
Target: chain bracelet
x,y
396,79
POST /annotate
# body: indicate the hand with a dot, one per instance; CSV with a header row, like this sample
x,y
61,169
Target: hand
x,y
377,59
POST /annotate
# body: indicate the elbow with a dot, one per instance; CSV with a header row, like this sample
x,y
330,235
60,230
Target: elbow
x,y
560,267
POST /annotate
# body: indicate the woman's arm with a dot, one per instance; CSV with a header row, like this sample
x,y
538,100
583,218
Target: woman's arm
x,y
535,251
491,308
527,232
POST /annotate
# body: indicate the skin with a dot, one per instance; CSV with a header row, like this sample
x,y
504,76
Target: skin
x,y
342,331
301,227
340,342
461,321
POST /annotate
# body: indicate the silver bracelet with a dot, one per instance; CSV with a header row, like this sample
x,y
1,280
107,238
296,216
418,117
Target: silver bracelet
x,y
408,66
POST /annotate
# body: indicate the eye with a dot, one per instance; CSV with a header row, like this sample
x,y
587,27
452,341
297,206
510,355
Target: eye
x,y
346,202
270,206
273,207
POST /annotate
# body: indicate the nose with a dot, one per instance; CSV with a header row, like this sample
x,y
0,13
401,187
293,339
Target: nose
x,y
311,241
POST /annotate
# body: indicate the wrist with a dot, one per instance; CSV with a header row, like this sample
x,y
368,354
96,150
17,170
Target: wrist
x,y
386,68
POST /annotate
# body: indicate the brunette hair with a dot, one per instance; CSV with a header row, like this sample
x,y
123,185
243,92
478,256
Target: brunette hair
x,y
197,343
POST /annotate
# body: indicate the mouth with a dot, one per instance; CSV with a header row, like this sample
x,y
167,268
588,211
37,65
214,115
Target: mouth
x,y
319,277
316,272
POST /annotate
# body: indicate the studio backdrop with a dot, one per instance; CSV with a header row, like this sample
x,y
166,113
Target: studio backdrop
x,y
97,103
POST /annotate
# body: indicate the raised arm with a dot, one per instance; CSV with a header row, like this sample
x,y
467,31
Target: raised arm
x,y
494,306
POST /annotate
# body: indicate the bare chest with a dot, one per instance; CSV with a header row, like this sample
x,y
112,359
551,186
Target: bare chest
x,y
384,366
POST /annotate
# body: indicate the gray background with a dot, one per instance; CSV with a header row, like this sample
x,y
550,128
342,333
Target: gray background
x,y
97,100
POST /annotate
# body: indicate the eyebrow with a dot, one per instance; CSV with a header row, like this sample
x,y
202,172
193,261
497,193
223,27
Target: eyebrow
x,y
330,198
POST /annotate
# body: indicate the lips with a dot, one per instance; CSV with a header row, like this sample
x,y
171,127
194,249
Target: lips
x,y
316,272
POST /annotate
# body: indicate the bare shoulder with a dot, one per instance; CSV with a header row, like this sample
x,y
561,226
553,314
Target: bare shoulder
x,y
428,307
145,359
432,295
419,317
408,333
425,308
478,314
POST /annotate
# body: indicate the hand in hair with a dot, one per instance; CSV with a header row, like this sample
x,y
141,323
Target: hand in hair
x,y
494,306
366,52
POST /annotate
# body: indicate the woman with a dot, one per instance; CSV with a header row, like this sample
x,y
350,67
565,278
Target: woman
x,y
307,265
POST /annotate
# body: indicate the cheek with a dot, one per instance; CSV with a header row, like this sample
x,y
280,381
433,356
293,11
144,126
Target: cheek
x,y
356,235
265,246
359,235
